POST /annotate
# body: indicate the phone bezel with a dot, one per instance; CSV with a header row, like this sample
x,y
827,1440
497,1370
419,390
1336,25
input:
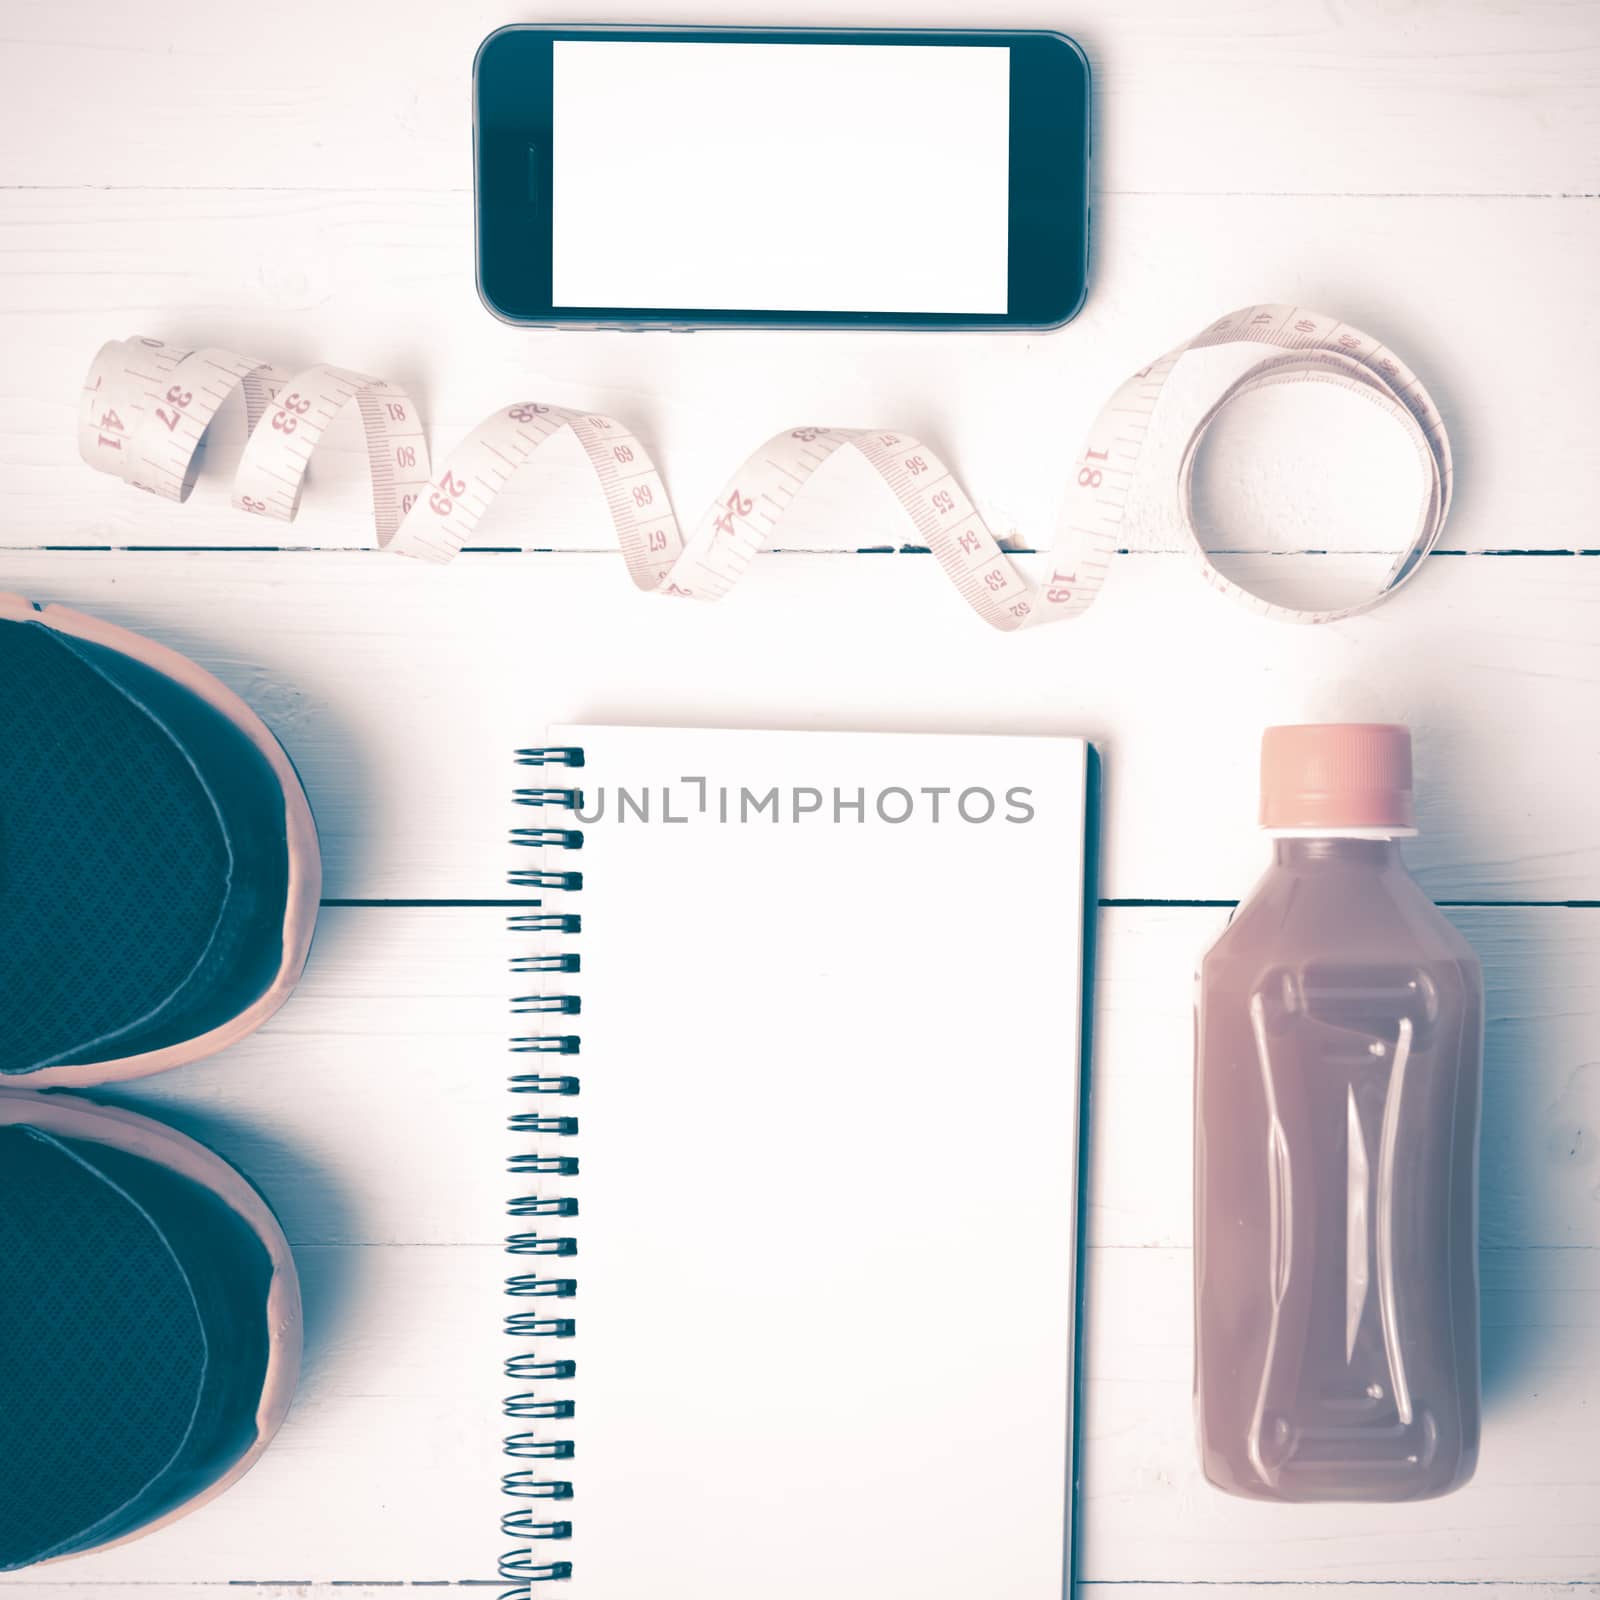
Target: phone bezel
x,y
1048,211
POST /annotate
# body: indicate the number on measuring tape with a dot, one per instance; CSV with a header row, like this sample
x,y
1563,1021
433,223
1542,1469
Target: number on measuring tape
x,y
146,407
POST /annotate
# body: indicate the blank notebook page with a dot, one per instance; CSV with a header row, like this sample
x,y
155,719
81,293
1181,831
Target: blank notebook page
x,y
828,1166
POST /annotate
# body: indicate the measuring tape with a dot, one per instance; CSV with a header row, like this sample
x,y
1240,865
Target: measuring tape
x,y
146,407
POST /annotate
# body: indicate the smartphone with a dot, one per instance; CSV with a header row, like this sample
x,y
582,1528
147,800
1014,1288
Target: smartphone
x,y
781,177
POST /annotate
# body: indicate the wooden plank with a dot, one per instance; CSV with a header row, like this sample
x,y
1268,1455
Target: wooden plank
x,y
1236,97
400,690
1528,1514
370,1110
404,1011
296,277
1165,1590
387,1466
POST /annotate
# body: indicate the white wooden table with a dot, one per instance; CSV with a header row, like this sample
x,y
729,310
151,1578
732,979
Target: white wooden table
x,y
294,180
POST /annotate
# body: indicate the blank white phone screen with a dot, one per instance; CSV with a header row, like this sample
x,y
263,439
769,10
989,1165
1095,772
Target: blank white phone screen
x,y
780,177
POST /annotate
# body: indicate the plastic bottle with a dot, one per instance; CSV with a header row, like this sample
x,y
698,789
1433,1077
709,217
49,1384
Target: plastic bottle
x,y
1338,1068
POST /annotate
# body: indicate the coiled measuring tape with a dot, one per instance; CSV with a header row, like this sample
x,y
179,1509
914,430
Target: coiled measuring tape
x,y
146,407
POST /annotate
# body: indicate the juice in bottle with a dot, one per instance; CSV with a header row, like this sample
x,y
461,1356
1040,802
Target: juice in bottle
x,y
1338,1067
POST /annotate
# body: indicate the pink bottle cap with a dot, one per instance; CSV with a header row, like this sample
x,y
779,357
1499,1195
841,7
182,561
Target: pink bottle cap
x,y
1336,775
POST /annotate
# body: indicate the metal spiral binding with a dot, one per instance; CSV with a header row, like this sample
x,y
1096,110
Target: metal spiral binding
x,y
535,1365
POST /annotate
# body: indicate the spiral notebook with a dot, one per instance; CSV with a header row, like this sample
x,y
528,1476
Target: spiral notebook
x,y
794,1276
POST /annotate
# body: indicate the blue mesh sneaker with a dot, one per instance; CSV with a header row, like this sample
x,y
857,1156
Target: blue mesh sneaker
x,y
159,871
149,1326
